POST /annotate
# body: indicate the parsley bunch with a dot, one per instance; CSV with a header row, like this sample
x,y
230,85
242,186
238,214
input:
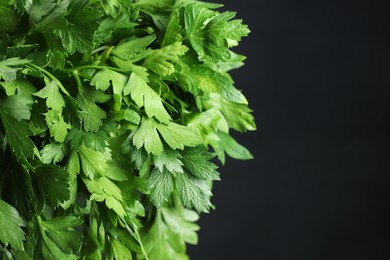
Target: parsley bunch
x,y
107,112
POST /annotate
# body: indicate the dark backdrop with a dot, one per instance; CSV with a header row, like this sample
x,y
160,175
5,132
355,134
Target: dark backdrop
x,y
317,78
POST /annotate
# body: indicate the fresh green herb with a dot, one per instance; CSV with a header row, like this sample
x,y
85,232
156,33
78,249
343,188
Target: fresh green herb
x,y
110,115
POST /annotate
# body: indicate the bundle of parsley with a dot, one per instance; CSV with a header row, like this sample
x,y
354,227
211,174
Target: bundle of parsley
x,y
110,112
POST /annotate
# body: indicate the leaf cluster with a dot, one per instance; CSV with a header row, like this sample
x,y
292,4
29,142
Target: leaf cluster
x,y
110,115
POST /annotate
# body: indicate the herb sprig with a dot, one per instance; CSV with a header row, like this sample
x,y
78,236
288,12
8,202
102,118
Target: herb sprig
x,y
110,112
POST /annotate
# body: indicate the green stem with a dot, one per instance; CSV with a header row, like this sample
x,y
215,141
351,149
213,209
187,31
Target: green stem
x,y
96,67
50,76
125,224
77,77
140,243
101,48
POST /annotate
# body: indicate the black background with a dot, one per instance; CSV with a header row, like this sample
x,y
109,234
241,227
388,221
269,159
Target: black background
x,y
317,78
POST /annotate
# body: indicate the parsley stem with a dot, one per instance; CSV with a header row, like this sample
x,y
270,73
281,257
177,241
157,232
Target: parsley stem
x,y
125,224
141,244
96,67
101,48
78,80
50,76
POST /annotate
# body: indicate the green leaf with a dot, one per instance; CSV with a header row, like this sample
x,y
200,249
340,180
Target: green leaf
x,y
92,115
56,59
53,182
20,50
237,115
48,15
52,95
103,189
138,156
110,26
59,238
193,192
144,96
73,168
7,70
115,7
17,132
8,19
75,138
162,61
94,163
52,153
11,223
196,161
130,116
81,26
97,140
178,136
201,77
169,160
19,86
162,243
209,32
209,121
196,18
133,50
106,77
146,135
73,164
57,126
119,250
181,222
158,11
17,106
175,135
160,184
232,148
172,32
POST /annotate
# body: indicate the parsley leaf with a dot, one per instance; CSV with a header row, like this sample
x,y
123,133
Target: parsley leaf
x,y
193,192
81,26
203,78
53,182
160,184
162,61
237,115
12,110
94,163
161,242
172,228
146,135
11,223
17,106
134,49
7,70
175,135
58,237
143,95
196,161
103,189
92,115
103,79
232,148
52,95
169,160
48,15
52,153
209,32
57,126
